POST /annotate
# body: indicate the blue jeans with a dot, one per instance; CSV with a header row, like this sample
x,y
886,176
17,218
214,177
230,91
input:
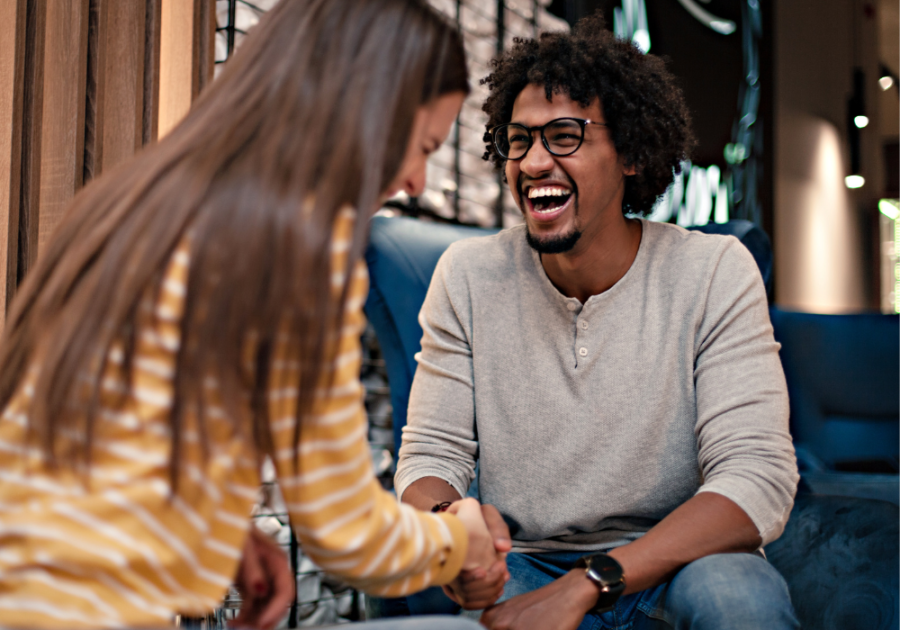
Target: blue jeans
x,y
739,591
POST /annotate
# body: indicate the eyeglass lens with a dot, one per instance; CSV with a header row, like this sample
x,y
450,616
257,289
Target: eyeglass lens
x,y
562,137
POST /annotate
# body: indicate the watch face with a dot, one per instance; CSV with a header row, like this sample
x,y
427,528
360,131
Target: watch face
x,y
605,570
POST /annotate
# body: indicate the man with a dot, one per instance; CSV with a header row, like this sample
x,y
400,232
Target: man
x,y
616,380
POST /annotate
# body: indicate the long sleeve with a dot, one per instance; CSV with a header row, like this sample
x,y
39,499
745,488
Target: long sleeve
x,y
439,439
745,449
344,520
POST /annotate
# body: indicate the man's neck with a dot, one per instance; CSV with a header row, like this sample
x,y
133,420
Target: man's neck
x,y
598,261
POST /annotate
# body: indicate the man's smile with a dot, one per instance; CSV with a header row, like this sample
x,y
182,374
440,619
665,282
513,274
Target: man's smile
x,y
547,201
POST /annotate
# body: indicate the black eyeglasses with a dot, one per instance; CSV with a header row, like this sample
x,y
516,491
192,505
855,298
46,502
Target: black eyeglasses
x,y
560,137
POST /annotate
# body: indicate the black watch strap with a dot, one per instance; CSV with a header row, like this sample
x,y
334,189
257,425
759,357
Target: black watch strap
x,y
607,576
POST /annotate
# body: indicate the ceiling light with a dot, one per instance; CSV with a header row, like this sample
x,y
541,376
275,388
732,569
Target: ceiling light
x,y
886,82
861,121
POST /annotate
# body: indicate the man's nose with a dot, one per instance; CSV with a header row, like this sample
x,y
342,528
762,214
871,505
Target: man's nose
x,y
537,161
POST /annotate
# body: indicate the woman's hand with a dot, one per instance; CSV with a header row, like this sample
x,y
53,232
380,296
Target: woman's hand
x,y
265,582
481,552
478,588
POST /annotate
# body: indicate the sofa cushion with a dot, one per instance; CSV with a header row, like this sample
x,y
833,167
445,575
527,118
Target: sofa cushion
x,y
839,556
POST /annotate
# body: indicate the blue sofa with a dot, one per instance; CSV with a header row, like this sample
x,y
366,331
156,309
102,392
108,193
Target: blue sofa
x,y
838,554
844,381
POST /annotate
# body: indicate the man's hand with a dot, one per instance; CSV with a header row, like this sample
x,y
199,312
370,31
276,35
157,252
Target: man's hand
x,y
265,582
480,587
560,605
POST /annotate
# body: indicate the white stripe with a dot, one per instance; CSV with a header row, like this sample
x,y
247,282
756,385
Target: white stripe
x,y
323,420
330,499
336,417
124,420
347,389
244,492
285,423
240,522
20,419
317,475
166,342
163,534
132,453
44,607
442,526
385,548
46,533
328,446
10,557
41,484
133,422
283,394
175,287
161,399
181,258
17,449
345,358
229,552
135,599
320,533
190,515
155,367
166,313
81,592
200,479
121,538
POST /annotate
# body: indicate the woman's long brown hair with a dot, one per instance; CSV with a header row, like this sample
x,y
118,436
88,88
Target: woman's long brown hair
x,y
312,115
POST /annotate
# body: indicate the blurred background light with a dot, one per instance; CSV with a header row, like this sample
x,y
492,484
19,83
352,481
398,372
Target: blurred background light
x,y
854,181
889,208
861,121
885,82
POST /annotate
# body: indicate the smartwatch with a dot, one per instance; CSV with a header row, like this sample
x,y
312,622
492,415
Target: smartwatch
x,y
607,575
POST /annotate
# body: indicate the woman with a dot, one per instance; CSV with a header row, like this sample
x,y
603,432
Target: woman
x,y
199,309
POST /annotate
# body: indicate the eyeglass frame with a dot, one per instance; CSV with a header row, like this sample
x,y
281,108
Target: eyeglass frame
x,y
584,122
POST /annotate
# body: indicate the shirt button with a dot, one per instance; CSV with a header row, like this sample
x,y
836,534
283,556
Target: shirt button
x,y
571,306
584,325
582,352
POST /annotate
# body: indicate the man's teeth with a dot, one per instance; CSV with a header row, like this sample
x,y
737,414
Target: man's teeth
x,y
548,191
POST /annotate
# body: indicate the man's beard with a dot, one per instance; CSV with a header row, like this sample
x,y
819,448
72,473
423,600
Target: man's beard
x,y
557,244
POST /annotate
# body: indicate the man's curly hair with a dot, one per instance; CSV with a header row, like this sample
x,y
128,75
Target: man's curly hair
x,y
648,119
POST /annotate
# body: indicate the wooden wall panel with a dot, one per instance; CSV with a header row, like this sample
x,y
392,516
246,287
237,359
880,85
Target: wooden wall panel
x,y
152,35
62,124
176,62
115,84
83,85
12,67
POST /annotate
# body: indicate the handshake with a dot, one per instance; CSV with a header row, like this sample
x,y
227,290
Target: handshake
x,y
480,582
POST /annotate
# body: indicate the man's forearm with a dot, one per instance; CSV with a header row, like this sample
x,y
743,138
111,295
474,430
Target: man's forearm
x,y
707,524
427,492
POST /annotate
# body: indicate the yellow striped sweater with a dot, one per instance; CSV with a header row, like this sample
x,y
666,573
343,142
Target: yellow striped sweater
x,y
121,552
